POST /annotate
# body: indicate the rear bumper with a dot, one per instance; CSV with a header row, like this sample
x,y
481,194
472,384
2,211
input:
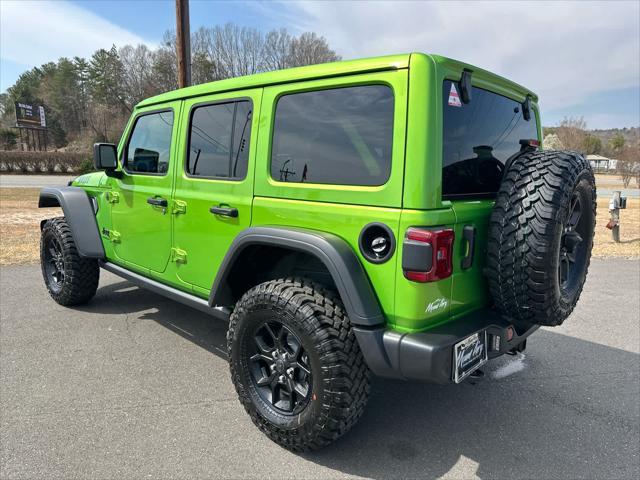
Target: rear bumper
x,y
428,356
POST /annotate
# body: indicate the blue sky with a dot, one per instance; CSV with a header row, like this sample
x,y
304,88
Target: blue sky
x,y
582,58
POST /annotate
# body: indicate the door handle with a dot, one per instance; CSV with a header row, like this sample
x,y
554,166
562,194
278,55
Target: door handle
x,y
157,202
469,234
225,211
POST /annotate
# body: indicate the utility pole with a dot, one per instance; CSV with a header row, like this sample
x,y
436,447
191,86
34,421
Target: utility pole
x,y
183,43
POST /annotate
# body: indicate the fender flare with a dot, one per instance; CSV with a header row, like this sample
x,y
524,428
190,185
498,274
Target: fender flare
x,y
347,272
78,211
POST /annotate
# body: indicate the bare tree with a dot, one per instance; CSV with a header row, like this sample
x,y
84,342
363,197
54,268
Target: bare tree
x,y
165,73
94,97
571,133
276,50
309,49
204,66
230,51
251,47
237,50
629,164
137,74
552,142
106,122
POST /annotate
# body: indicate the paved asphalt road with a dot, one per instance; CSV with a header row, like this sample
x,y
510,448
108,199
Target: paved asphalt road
x,y
34,181
134,386
608,192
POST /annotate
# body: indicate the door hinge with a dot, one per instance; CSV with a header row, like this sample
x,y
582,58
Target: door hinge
x,y
179,206
113,197
178,255
112,235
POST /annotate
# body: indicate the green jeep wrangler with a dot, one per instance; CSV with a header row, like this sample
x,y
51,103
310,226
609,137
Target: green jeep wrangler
x,y
392,215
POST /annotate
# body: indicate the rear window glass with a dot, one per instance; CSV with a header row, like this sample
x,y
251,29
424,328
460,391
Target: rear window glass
x,y
219,140
479,137
340,136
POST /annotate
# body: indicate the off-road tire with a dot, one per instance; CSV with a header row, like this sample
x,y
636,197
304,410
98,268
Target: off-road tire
x,y
340,377
81,275
528,236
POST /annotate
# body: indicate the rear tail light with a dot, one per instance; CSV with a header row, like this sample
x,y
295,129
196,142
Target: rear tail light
x,y
530,142
427,254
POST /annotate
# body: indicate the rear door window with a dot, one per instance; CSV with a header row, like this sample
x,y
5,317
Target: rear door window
x,y
341,136
219,140
478,139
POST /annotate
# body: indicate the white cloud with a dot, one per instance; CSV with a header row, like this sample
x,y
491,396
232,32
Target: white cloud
x,y
562,51
36,32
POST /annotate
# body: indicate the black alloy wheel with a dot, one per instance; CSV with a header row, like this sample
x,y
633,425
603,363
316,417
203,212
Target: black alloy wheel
x,y
573,255
296,364
53,263
70,278
280,368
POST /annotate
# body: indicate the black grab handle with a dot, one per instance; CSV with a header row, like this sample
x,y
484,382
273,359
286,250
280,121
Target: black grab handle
x,y
226,211
157,202
469,234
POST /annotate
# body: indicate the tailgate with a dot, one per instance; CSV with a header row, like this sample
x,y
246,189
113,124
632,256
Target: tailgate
x,y
469,290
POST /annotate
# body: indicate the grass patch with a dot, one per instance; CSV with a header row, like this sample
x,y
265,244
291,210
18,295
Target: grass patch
x,y
614,182
629,245
20,225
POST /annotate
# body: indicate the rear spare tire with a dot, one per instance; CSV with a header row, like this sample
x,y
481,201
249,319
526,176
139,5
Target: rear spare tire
x,y
541,235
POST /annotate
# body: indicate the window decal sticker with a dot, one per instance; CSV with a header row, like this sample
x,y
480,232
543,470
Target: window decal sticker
x,y
454,98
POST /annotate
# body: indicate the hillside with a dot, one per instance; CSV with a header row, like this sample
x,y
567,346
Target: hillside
x,y
631,134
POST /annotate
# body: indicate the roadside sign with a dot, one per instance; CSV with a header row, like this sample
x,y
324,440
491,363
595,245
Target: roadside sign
x,y
30,115
43,122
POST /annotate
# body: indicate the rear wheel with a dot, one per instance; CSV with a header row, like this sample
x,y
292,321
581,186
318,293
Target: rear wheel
x,y
296,364
70,278
541,235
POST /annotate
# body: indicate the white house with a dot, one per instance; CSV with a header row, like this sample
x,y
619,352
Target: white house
x,y
602,164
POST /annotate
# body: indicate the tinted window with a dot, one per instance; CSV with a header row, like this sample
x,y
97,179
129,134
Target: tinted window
x,y
149,145
219,140
341,136
479,137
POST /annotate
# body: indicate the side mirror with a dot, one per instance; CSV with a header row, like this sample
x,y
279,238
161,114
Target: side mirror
x,y
105,156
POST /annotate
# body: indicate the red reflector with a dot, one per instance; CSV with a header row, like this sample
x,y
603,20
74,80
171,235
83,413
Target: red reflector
x,y
510,334
441,241
531,142
425,236
421,277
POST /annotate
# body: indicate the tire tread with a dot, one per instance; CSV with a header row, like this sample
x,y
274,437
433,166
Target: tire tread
x,y
82,275
345,373
522,241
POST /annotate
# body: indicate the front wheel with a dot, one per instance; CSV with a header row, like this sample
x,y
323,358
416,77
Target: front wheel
x,y
70,278
295,363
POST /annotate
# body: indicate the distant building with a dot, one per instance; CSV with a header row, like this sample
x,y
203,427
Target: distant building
x,y
602,164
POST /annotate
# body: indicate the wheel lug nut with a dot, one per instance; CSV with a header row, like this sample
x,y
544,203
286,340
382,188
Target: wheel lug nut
x,y
290,371
281,379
